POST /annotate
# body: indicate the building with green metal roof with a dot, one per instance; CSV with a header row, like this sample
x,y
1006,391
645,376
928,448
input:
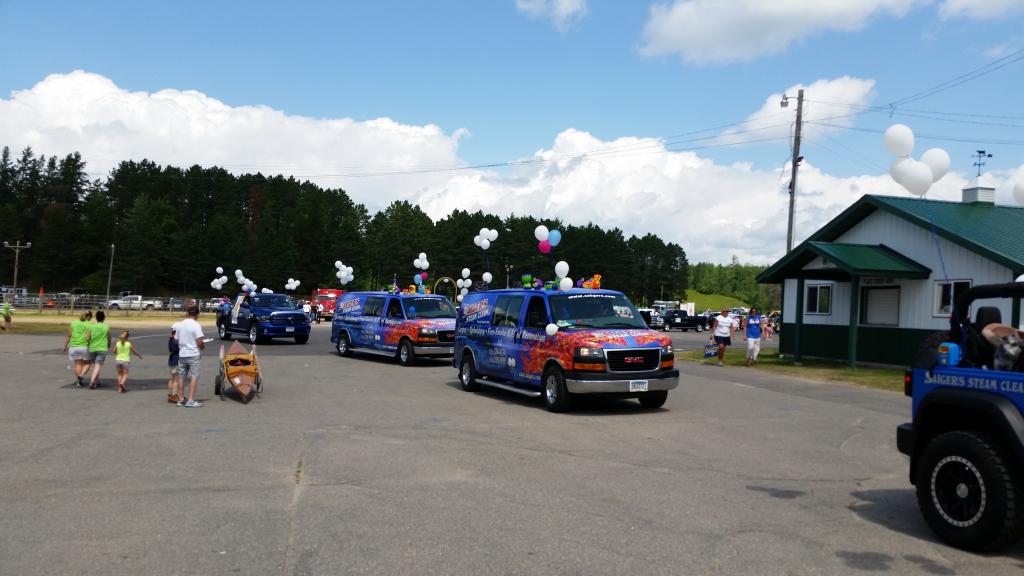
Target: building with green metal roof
x,y
871,284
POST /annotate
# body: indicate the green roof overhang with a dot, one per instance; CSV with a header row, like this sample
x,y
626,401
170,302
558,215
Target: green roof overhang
x,y
843,262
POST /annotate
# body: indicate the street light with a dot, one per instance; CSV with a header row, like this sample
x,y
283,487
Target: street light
x,y
110,272
18,247
508,270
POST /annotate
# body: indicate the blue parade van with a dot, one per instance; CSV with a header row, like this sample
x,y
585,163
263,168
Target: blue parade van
x,y
508,339
406,326
966,437
262,316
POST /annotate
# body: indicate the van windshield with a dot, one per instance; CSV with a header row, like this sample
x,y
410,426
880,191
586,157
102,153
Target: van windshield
x,y
595,311
272,301
428,308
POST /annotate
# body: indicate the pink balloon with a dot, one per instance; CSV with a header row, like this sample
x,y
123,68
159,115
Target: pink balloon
x,y
423,276
544,246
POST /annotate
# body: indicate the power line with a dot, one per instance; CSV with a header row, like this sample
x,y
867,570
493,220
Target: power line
x,y
929,136
963,78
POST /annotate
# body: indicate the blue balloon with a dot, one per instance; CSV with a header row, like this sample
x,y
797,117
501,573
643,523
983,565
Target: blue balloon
x,y
417,280
554,237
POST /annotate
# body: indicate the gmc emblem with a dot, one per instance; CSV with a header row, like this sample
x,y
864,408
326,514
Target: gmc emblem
x,y
633,359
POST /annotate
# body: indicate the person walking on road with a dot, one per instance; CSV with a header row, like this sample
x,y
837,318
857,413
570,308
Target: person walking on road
x,y
99,345
190,346
76,344
721,333
123,351
174,385
752,335
7,315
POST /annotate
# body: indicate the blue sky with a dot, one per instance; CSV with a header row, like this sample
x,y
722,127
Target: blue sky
x,y
516,78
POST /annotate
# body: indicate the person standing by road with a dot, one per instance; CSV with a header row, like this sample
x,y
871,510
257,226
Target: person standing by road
x,y
123,351
76,344
174,385
721,333
99,345
7,315
306,309
752,335
190,346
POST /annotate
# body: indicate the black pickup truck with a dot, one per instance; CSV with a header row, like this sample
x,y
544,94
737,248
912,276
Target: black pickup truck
x,y
682,320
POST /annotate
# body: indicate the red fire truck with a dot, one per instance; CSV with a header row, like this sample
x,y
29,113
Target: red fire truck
x,y
324,297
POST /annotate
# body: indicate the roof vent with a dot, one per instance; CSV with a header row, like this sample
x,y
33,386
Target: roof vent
x,y
979,191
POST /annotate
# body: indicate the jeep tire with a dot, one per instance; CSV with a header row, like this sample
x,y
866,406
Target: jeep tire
x,y
556,396
655,399
467,374
222,331
406,355
968,494
343,346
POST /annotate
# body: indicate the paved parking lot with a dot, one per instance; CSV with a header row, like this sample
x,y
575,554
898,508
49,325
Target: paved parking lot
x,y
360,466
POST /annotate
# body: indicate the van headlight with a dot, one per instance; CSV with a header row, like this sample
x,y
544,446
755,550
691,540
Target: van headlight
x,y
667,349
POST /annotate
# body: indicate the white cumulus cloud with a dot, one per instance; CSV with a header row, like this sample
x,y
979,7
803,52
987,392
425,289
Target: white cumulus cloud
x,y
832,101
716,31
561,13
979,9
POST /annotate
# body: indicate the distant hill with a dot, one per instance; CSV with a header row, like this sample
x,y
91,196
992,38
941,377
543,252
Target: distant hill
x,y
703,301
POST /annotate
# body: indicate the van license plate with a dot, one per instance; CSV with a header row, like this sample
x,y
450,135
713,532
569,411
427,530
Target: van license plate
x,y
290,329
638,385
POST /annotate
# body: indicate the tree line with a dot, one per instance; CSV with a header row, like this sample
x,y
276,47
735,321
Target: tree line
x,y
736,280
173,226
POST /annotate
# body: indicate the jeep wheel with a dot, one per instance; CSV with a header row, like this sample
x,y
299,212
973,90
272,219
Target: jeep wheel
x,y
467,374
406,355
254,335
556,396
302,339
968,494
654,399
343,347
222,331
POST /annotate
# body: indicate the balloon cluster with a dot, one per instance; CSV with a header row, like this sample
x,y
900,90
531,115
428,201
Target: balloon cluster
x,y
421,263
219,282
266,291
916,176
291,284
546,239
562,271
485,237
344,273
247,285
464,283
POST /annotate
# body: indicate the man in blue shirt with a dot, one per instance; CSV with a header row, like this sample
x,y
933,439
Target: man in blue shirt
x,y
752,335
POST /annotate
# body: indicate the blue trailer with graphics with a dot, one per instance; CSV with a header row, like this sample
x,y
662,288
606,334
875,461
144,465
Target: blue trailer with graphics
x,y
966,437
404,326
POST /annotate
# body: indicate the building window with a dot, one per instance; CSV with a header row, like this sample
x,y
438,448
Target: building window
x,y
880,306
943,293
819,299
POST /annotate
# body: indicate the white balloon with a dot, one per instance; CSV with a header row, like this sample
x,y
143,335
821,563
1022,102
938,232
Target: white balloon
x,y
485,244
241,281
565,284
1018,191
562,269
551,329
899,140
458,283
896,168
459,298
337,264
238,273
423,255
465,272
938,160
484,233
340,274
464,291
297,283
477,240
541,233
220,270
916,177
487,277
416,263
214,285
492,235
426,264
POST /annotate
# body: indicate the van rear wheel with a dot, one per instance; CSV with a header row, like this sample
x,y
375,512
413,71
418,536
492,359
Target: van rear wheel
x,y
343,346
467,374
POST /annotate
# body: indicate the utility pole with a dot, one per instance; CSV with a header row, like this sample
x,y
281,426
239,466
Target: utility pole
x,y
18,247
796,161
110,273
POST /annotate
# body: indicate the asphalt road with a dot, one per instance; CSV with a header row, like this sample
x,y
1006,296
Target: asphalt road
x,y
360,466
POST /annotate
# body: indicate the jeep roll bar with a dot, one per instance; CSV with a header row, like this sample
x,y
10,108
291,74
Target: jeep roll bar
x,y
959,318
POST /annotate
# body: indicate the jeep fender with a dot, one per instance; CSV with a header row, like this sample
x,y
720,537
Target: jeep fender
x,y
938,413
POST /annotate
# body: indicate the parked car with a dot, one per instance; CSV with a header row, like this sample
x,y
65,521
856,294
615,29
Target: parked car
x,y
405,326
135,303
651,317
558,344
682,320
175,304
966,435
263,316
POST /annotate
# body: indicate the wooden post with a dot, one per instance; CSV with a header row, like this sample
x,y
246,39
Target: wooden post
x,y
851,338
799,319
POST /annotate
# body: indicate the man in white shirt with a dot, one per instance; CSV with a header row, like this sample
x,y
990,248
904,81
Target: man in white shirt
x,y
190,345
721,330
306,309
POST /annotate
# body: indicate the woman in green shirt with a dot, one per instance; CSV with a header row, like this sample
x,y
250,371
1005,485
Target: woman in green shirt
x,y
77,346
99,345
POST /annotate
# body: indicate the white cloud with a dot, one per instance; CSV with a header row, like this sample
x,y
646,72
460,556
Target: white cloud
x,y
89,113
714,31
562,13
833,101
635,184
979,9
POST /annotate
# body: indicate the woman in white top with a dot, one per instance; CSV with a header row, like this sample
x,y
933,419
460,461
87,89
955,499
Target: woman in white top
x,y
721,333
